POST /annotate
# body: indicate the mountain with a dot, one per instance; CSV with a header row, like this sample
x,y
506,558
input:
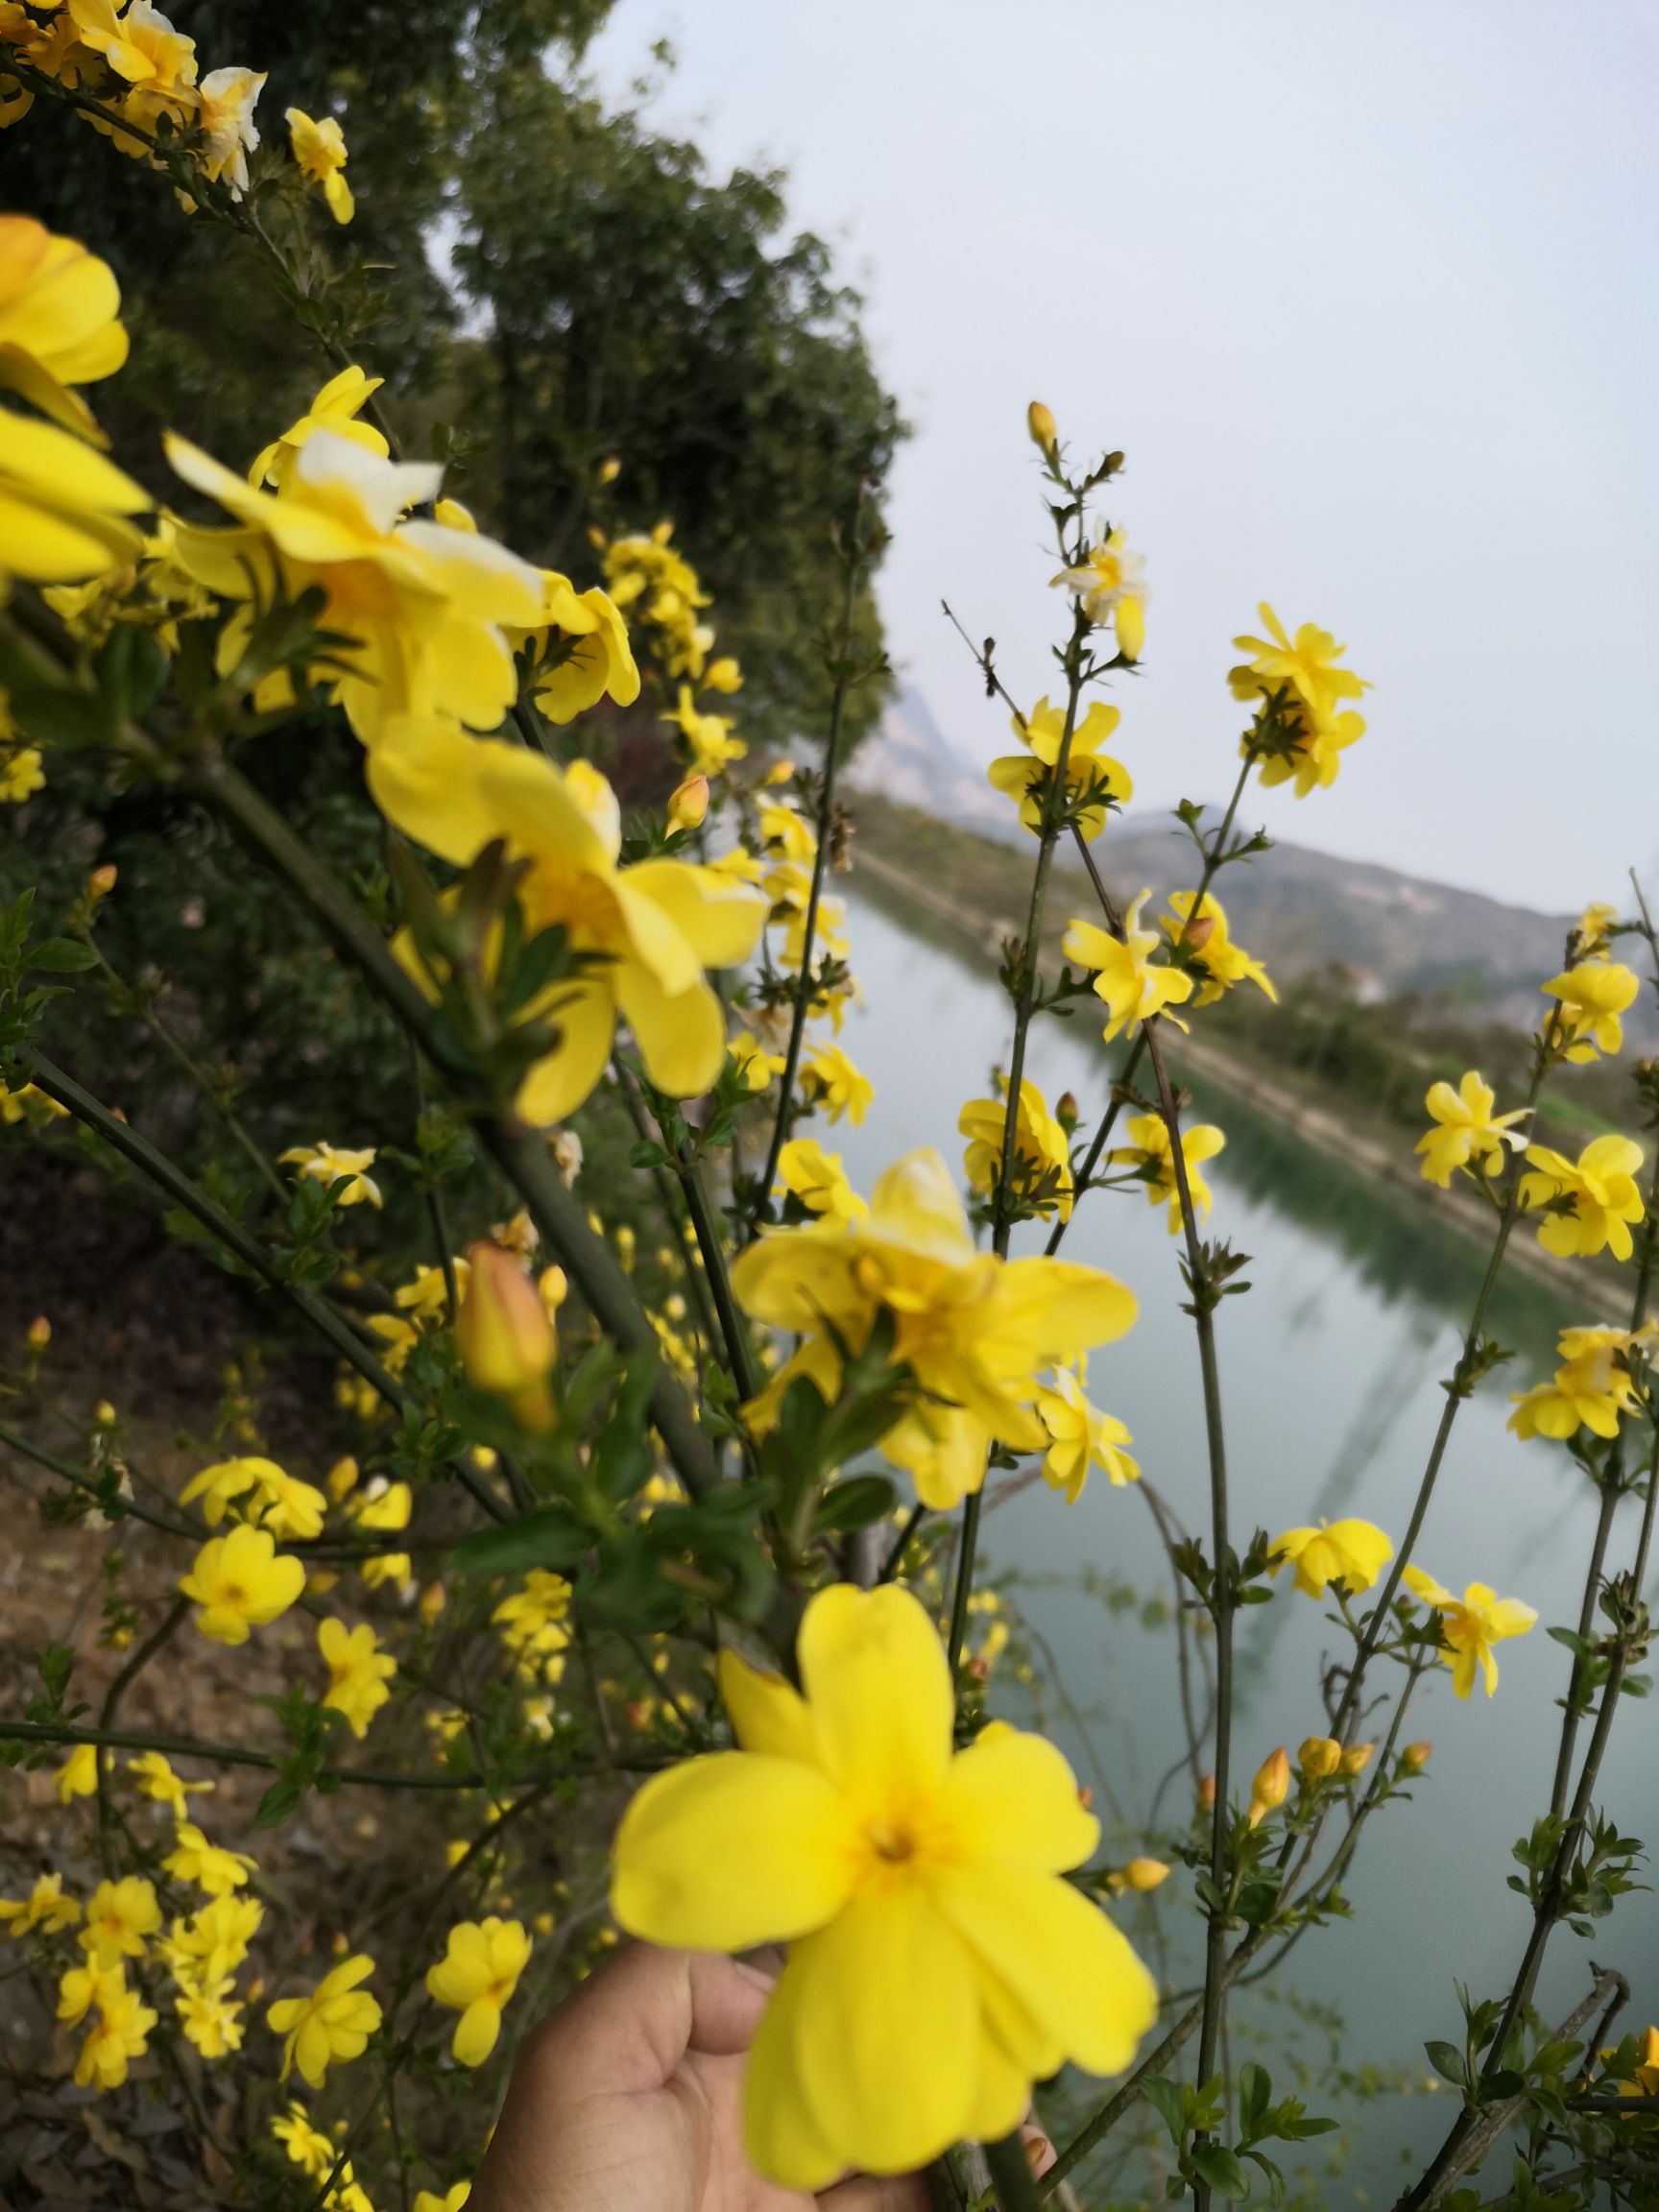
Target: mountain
x,y
1296,908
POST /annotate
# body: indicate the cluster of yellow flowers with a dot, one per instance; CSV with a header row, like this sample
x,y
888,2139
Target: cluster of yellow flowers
x,y
1301,727
144,76
1595,1387
976,1331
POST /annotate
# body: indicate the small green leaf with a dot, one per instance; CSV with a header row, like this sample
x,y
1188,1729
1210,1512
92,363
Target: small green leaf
x,y
1447,2061
854,1503
61,956
278,1802
550,1538
1215,2163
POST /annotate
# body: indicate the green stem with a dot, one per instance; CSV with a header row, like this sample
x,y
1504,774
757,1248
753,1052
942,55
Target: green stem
x,y
858,551
522,1156
125,1139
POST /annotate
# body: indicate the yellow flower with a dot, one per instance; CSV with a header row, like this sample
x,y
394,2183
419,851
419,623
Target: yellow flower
x,y
213,1942
976,1331
506,1343
1024,776
62,506
755,1064
829,1080
225,117
1218,962
534,1624
45,1908
1040,1143
27,1103
335,409
709,737
77,1776
723,675
333,2021
1597,1196
211,1867
939,1965
1150,1155
1592,997
319,151
1080,1437
154,1777
335,1163
1270,1787
386,1507
818,1179
477,1977
281,1503
241,1581
1591,1388
1320,1756
60,320
657,925
157,63
1125,980
421,605
1469,1131
788,888
1351,1552
1471,1626
211,2019
117,2036
1301,686
21,776
119,1916
1107,584
590,659
306,2146
1595,927
358,1673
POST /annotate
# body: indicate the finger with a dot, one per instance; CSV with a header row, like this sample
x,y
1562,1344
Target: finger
x,y
1038,2148
627,2028
875,2193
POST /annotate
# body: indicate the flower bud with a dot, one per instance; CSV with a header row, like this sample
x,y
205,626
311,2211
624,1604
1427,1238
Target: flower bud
x,y
1319,1758
723,675
1143,1875
1357,1758
505,1338
341,1478
1271,1786
104,1414
431,1603
1415,1756
1040,422
610,469
1207,1793
39,1334
1198,931
102,882
688,803
1066,1111
1130,617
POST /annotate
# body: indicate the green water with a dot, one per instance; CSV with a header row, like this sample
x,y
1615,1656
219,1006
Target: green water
x,y
1330,1370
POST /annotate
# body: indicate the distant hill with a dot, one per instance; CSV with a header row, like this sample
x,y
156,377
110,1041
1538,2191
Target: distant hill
x,y
1296,908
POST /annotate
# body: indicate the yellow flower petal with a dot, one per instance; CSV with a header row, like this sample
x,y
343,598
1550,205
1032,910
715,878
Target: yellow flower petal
x,y
874,1675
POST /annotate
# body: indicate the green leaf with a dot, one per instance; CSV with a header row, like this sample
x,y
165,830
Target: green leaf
x,y
856,1503
61,956
1215,2163
1169,2101
550,1538
1254,2093
278,1802
1447,2061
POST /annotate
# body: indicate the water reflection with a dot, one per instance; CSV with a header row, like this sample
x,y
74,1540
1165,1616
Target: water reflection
x,y
1331,1374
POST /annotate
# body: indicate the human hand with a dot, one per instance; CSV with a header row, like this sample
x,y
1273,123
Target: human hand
x,y
629,2098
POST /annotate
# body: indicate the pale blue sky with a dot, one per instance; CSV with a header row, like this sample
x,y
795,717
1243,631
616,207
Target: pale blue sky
x,y
1365,290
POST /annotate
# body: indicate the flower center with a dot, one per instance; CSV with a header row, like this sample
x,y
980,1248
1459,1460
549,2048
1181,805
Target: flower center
x,y
894,1845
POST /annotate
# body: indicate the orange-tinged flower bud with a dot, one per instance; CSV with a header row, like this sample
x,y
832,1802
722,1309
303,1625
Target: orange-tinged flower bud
x,y
1207,1793
1066,1111
688,803
505,1338
1319,1757
102,880
39,1334
1357,1758
432,1602
1198,931
1271,1786
1415,1756
1040,422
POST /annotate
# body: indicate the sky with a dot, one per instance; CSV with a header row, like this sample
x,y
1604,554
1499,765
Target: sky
x,y
1365,290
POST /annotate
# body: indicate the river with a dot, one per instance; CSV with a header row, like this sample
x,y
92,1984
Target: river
x,y
1330,1372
